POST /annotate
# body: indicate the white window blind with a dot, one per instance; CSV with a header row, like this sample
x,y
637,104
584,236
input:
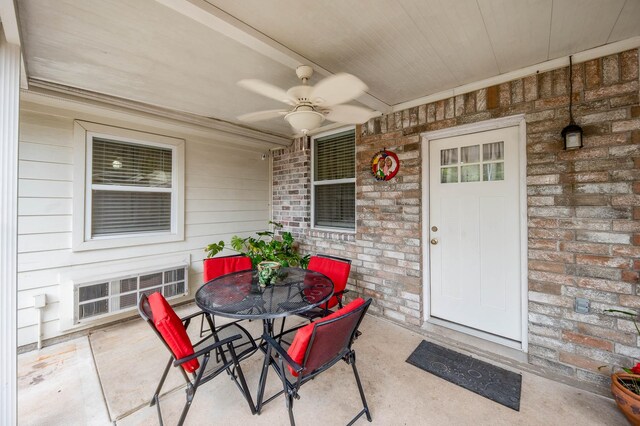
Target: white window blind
x,y
131,188
334,181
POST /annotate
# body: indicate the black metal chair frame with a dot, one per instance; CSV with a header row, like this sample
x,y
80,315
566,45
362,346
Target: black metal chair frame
x,y
232,367
319,312
281,357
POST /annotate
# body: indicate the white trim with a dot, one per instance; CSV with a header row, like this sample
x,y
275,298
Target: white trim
x,y
425,138
9,20
476,333
88,104
524,240
329,127
312,182
334,181
482,126
84,132
586,55
130,188
11,27
424,207
9,125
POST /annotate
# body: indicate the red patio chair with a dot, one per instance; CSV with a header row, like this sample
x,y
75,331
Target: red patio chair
x,y
217,266
337,269
316,347
190,359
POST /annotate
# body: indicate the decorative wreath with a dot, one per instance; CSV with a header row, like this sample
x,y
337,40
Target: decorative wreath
x,y
385,165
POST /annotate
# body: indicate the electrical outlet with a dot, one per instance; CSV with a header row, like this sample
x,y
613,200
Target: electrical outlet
x,y
582,305
40,301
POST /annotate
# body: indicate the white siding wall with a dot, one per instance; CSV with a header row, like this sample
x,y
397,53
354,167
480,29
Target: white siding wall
x,y
227,193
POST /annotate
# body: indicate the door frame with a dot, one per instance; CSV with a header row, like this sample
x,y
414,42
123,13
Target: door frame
x,y
466,129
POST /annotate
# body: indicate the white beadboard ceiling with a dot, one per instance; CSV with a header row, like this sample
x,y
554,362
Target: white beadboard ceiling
x,y
187,55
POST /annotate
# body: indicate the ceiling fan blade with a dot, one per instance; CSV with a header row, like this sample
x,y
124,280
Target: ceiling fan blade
x,y
337,89
349,114
262,115
268,90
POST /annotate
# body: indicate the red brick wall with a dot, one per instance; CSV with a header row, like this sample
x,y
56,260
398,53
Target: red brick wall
x,y
583,209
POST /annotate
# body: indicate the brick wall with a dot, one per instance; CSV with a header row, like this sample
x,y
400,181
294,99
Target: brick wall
x,y
291,199
583,209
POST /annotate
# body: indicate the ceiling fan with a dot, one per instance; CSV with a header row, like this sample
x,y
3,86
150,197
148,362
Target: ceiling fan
x,y
311,105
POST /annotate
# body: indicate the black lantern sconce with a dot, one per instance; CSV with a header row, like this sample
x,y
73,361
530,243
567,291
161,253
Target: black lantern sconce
x,y
572,134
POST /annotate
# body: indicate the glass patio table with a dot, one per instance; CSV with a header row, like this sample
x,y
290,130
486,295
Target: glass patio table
x,y
239,295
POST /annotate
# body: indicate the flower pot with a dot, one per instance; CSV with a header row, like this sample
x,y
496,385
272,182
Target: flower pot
x,y
628,402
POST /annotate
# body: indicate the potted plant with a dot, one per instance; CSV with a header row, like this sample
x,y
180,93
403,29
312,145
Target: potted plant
x,y
264,247
625,386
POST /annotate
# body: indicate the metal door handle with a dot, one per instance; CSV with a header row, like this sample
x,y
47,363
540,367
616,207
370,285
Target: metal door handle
x,y
434,241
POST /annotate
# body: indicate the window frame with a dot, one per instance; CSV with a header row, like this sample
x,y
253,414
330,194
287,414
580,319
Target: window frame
x,y
84,134
333,181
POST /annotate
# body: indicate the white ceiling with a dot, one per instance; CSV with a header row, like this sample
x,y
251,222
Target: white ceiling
x,y
187,55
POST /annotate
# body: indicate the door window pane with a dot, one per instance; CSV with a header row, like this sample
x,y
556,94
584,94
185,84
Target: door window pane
x,y
493,171
470,173
449,175
493,151
470,154
448,156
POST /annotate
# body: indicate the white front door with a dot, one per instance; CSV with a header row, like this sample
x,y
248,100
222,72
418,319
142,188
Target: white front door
x,y
474,231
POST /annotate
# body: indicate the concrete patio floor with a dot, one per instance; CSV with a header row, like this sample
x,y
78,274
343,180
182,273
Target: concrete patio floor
x,y
109,376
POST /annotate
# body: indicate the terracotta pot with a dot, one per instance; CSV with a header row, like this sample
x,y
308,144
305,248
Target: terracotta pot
x,y
628,402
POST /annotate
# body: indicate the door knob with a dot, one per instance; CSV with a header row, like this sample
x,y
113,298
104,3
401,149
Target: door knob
x,y
434,241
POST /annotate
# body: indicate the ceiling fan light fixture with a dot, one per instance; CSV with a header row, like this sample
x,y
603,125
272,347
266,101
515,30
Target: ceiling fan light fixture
x,y
312,104
304,121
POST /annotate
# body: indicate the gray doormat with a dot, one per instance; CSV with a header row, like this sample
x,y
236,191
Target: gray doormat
x,y
492,382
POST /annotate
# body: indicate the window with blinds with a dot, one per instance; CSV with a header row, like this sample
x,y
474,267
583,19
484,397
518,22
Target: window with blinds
x,y
131,188
334,183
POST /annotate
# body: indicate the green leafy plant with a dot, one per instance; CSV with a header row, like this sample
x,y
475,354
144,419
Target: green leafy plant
x,y
265,246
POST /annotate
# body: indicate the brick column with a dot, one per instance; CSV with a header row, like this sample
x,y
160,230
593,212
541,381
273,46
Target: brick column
x,y
292,187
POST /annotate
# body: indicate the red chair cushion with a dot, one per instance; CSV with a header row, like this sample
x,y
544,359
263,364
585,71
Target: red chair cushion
x,y
298,347
336,270
172,330
217,266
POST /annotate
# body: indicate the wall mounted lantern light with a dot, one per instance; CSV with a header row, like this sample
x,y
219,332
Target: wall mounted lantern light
x,y
572,134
